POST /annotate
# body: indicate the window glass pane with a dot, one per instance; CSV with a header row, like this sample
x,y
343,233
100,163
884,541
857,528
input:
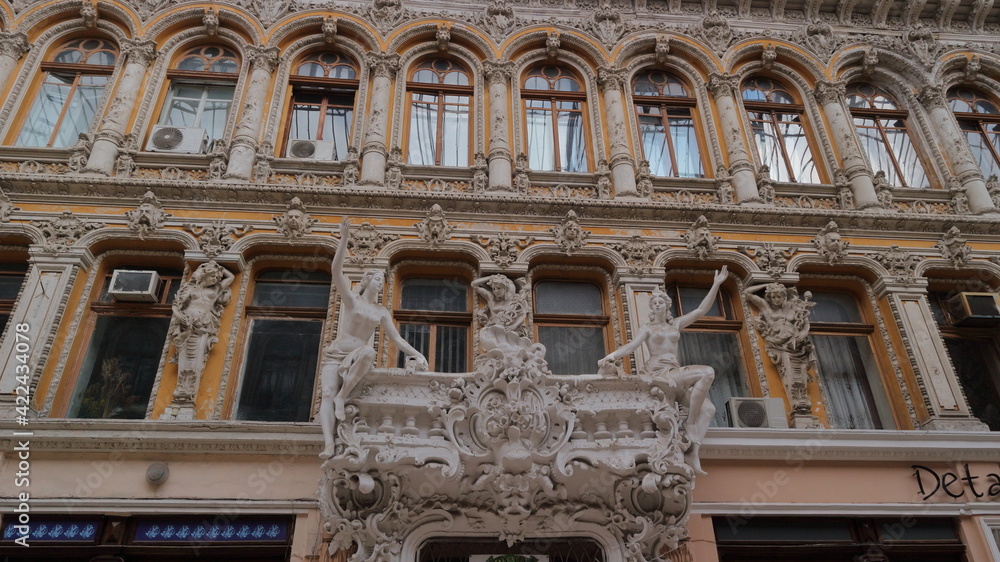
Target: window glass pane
x,y
976,364
797,147
280,370
691,297
557,297
450,349
775,529
835,307
337,128
685,141
906,155
572,149
572,350
81,110
766,137
45,111
439,295
10,286
845,364
423,129
979,144
541,139
118,371
305,122
292,295
654,144
455,133
417,335
721,351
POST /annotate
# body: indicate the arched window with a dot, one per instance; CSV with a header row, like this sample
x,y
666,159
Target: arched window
x,y
881,128
554,104
324,86
979,118
777,123
440,105
571,322
434,317
669,141
286,316
69,93
202,82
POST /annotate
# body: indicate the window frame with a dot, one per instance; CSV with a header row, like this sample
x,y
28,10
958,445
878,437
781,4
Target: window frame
x,y
977,120
585,275
665,103
205,80
434,319
326,87
554,97
12,268
773,109
878,116
440,90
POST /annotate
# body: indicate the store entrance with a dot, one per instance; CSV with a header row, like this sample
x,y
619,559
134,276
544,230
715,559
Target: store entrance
x,y
542,550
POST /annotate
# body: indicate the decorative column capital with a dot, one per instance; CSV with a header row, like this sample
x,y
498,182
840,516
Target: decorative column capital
x,y
382,65
610,79
932,97
498,72
723,84
830,92
14,44
265,58
140,51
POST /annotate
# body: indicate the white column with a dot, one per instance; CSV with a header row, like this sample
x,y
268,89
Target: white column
x,y
13,46
41,306
139,54
831,96
383,67
243,152
498,76
621,161
724,88
956,148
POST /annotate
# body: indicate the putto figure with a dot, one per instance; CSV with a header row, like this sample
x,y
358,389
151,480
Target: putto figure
x,y
662,337
197,316
348,358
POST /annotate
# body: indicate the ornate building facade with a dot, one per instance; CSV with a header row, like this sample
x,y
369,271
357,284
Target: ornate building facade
x,y
806,191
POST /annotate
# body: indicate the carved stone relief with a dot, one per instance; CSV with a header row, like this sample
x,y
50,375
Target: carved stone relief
x,y
502,248
7,208
638,253
900,263
216,237
434,229
953,247
768,258
829,245
62,232
700,239
148,217
295,222
366,241
569,236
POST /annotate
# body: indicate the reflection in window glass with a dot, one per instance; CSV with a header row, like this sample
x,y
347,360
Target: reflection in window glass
x,y
554,120
190,105
779,134
666,126
979,118
884,138
440,105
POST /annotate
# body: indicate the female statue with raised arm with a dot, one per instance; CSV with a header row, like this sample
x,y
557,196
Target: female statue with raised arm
x,y
662,337
348,358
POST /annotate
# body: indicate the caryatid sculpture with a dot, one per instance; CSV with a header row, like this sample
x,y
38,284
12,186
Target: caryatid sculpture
x,y
783,322
506,306
348,358
197,316
662,335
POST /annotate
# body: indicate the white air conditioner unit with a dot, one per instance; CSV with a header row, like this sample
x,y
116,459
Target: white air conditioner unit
x,y
135,286
184,140
757,412
313,150
975,309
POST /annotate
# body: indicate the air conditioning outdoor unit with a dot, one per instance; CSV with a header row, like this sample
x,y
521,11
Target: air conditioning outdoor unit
x,y
757,412
313,150
975,309
184,140
135,286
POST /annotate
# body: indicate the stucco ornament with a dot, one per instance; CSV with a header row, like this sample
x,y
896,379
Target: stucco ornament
x,y
690,384
845,198
819,37
14,44
195,325
768,258
829,244
607,24
953,247
783,322
972,67
480,173
638,253
217,237
502,248
724,191
700,239
62,232
661,50
268,11
900,263
443,37
883,190
394,169
498,19
7,208
993,186
552,44
348,358
569,236
715,31
644,179
921,42
88,12
366,241
295,222
507,307
329,30
262,163
765,186
768,56
522,183
603,179
351,170
219,159
211,22
148,217
870,61
434,229
959,199
386,14
79,153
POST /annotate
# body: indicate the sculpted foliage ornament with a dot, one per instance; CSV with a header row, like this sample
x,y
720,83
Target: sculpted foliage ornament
x,y
959,199
79,153
351,169
295,222
922,44
62,232
14,44
724,191
699,238
569,236
768,258
638,253
502,248
394,169
819,37
480,175
883,190
765,187
262,163
434,229
644,180
148,217
498,19
994,189
829,244
715,31
217,237
7,208
783,322
386,14
365,242
607,24
953,248
900,263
